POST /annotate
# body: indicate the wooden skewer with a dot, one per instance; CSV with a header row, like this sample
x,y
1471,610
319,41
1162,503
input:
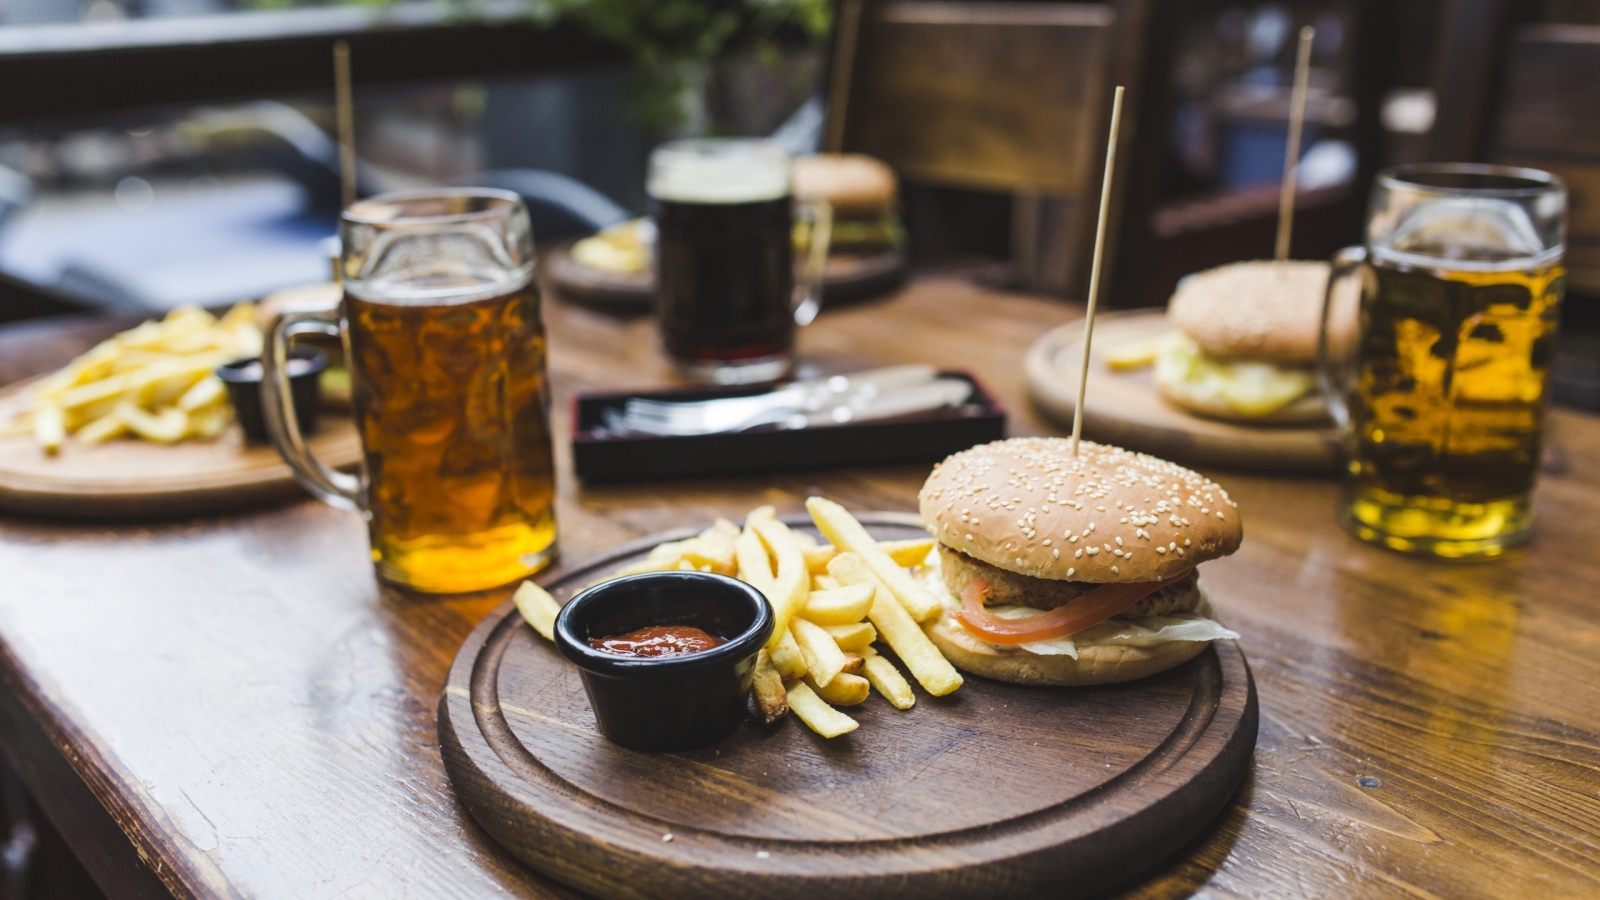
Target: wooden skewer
x,y
345,116
1291,157
1094,269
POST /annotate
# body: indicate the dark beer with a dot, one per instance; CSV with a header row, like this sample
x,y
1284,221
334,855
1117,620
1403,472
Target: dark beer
x,y
725,280
451,402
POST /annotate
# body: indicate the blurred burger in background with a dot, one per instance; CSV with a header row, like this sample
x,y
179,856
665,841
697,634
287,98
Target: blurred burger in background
x,y
1244,341
863,193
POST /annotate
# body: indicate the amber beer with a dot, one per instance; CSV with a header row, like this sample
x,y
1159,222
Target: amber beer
x,y
1447,395
446,350
451,402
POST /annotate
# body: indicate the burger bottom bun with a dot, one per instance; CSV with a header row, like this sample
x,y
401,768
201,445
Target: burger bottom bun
x,y
1104,664
1307,410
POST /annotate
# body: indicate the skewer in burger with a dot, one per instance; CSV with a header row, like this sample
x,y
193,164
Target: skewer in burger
x,y
1057,569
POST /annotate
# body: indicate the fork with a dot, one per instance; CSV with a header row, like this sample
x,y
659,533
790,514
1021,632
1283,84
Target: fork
x,y
733,413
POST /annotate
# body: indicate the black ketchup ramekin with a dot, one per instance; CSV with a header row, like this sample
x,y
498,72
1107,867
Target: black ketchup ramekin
x,y
667,703
242,377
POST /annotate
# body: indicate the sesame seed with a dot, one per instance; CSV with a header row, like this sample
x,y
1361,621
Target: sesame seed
x,y
1124,520
1119,542
1186,542
1047,542
1093,550
1070,571
1079,554
1117,551
1113,570
1056,553
1180,551
969,537
1161,550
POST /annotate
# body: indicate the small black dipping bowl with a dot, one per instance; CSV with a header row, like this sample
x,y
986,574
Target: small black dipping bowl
x,y
243,378
667,703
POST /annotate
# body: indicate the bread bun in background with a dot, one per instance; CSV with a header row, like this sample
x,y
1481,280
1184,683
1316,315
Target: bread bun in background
x,y
852,182
1263,310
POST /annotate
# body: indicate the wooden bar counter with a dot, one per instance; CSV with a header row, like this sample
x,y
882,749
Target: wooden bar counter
x,y
232,707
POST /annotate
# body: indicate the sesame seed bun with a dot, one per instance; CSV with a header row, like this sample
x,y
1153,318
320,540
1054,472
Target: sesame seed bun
x,y
1029,506
853,183
1263,311
1100,664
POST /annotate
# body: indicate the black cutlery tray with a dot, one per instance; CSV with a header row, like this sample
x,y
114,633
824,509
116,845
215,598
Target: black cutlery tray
x,y
600,456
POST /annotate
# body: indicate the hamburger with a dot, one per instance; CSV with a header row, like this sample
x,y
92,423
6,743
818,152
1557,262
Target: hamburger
x,y
862,191
1245,341
1057,569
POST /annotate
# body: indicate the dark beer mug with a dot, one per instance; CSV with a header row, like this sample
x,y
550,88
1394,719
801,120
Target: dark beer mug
x,y
726,297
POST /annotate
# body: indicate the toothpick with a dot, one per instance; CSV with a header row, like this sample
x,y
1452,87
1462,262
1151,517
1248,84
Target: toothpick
x,y
346,119
1094,269
1291,157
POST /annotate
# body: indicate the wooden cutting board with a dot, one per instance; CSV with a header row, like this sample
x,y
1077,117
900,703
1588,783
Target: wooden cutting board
x,y
846,278
994,791
1126,409
128,478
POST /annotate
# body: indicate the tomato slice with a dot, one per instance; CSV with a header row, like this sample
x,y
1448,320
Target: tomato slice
x,y
1084,611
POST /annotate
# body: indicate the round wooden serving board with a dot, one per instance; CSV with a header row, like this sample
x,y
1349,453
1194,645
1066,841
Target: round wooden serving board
x,y
846,278
127,478
1126,409
994,791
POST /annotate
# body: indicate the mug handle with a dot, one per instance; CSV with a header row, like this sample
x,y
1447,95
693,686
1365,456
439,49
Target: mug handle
x,y
339,489
1330,383
808,294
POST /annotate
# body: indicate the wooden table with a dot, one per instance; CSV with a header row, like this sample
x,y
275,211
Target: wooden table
x,y
232,707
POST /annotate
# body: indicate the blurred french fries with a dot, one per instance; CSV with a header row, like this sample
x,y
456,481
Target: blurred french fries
x,y
830,603
154,381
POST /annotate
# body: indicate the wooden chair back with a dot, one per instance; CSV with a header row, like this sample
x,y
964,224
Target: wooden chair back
x,y
1549,118
995,96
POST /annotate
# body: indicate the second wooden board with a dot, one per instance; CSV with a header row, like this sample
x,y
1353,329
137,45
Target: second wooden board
x,y
993,791
127,478
1126,409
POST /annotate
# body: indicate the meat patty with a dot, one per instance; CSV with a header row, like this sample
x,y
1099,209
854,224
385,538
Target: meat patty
x,y
1009,588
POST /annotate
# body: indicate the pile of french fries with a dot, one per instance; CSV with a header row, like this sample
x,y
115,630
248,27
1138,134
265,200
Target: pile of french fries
x,y
831,604
155,381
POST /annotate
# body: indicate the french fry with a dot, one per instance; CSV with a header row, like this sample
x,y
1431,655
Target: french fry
x,y
852,638
897,629
49,427
907,553
787,658
817,714
102,429
824,659
204,392
750,555
844,690
847,534
1135,354
772,701
538,608
790,586
888,681
840,606
817,557
852,663
165,427
823,582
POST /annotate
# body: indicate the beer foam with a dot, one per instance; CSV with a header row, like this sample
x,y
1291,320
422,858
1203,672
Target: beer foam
x,y
718,172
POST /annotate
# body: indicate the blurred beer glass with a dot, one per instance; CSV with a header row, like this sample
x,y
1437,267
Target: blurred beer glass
x,y
1442,398
726,297
446,349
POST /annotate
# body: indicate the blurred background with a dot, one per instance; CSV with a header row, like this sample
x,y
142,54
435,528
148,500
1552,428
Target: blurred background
x,y
158,152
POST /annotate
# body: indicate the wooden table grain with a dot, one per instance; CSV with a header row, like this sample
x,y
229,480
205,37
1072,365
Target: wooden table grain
x,y
231,707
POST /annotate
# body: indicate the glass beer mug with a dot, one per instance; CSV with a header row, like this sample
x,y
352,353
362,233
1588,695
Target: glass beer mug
x,y
446,349
1442,400
726,297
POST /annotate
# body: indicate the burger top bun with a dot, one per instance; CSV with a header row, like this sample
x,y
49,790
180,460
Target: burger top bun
x,y
1027,505
852,182
1263,310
